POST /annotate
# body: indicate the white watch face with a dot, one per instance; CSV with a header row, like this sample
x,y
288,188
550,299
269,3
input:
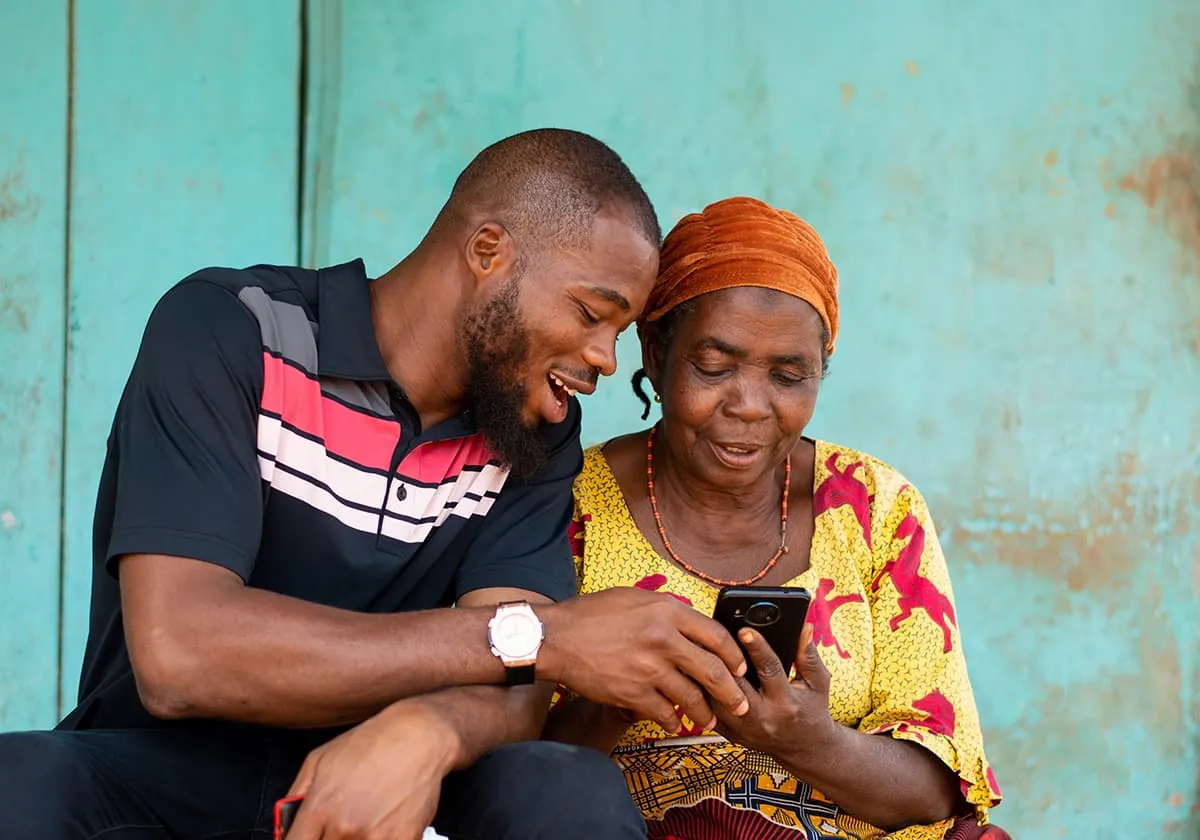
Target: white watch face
x,y
516,635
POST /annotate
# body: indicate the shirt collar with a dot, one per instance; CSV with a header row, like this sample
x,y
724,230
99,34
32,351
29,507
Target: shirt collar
x,y
346,342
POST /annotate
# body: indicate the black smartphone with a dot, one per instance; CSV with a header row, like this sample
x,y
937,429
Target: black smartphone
x,y
776,612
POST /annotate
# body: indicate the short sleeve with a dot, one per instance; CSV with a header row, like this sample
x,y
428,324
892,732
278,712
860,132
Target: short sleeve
x,y
523,542
920,690
183,449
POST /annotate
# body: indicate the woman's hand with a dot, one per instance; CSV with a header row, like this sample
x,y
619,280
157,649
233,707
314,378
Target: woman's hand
x,y
786,719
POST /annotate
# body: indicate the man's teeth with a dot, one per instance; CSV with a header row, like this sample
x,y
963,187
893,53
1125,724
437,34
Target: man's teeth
x,y
570,391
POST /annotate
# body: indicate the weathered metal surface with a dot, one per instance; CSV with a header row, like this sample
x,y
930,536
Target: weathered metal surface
x,y
33,131
1011,193
185,155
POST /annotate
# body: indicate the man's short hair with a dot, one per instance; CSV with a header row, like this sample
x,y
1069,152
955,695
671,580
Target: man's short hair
x,y
546,186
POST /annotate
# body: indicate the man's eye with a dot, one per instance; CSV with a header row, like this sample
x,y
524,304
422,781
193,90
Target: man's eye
x,y
588,316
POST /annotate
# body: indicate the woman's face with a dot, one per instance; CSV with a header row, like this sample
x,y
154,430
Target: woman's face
x,y
739,382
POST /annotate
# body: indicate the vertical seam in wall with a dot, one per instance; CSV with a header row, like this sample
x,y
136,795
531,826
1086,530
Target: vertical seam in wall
x,y
322,89
302,132
66,354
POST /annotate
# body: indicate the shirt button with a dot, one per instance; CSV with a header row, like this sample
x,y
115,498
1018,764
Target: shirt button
x,y
401,492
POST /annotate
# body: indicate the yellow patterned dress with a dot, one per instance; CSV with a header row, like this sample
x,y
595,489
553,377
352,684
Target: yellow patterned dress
x,y
883,620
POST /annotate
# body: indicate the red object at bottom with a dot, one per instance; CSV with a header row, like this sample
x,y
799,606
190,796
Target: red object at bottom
x,y
285,815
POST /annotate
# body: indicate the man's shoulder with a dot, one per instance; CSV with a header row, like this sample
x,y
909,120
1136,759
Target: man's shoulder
x,y
292,283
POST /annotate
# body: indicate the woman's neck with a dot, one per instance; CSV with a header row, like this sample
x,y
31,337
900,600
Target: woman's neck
x,y
724,518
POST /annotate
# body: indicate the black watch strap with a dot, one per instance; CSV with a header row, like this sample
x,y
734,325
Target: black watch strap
x,y
519,674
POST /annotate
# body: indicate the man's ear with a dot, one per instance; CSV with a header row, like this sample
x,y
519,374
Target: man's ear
x,y
491,253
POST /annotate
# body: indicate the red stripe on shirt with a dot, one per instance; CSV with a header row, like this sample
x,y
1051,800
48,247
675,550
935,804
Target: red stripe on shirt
x,y
438,460
353,435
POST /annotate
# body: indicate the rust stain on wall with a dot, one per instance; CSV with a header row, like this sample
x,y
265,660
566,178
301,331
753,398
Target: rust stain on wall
x,y
1074,725
1025,257
1169,182
14,309
1093,542
14,201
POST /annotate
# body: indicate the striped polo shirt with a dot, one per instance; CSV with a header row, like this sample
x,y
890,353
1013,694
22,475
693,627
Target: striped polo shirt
x,y
261,431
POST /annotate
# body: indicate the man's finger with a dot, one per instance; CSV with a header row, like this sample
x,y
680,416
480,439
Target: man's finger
x,y
307,825
685,694
771,675
658,708
712,674
304,779
713,637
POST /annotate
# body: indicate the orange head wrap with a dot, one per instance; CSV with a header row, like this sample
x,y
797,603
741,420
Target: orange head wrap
x,y
744,242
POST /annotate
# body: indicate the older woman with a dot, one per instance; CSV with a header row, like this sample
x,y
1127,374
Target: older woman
x,y
878,730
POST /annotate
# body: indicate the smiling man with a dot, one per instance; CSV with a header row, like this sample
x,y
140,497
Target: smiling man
x,y
306,471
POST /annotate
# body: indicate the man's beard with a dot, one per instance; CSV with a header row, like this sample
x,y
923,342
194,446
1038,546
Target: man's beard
x,y
497,351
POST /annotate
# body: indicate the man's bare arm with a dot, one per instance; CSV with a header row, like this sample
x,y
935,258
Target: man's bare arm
x,y
203,644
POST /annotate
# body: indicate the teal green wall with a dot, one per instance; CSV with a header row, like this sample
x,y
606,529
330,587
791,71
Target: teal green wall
x,y
1011,191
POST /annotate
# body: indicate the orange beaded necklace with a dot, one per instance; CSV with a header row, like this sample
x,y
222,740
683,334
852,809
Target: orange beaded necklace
x,y
787,484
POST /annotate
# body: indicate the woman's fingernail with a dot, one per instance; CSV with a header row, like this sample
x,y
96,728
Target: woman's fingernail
x,y
741,671
742,708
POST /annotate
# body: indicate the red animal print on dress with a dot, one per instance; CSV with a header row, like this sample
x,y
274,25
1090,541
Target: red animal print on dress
x,y
939,713
820,614
916,592
655,582
575,534
842,488
991,779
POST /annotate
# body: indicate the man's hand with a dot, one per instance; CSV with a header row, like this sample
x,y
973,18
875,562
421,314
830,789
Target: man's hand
x,y
643,651
380,779
782,712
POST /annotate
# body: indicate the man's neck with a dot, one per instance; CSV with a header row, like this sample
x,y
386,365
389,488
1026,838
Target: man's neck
x,y
414,308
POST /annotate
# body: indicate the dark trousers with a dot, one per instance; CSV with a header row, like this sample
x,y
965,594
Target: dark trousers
x,y
154,785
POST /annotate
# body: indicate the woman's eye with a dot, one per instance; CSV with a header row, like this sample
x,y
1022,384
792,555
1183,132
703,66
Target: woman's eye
x,y
791,380
710,372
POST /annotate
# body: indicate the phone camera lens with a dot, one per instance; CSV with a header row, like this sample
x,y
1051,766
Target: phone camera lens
x,y
762,614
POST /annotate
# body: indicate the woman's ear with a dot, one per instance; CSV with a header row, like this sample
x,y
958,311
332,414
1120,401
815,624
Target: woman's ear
x,y
653,354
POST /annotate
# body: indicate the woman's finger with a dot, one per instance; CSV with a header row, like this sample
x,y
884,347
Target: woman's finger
x,y
810,668
771,674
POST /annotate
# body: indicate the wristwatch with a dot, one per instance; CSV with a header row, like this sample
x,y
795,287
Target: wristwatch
x,y
515,636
